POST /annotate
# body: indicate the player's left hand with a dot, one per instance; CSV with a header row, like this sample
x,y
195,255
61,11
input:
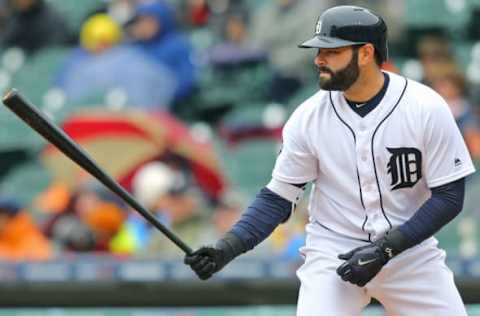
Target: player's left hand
x,y
363,263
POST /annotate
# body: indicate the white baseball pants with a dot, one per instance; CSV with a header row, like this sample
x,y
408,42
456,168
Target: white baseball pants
x,y
416,282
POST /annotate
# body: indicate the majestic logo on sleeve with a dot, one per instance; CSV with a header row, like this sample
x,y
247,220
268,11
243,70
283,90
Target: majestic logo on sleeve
x,y
405,167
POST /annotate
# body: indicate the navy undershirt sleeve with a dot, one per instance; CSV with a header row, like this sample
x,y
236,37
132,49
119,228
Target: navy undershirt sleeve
x,y
269,209
265,213
445,203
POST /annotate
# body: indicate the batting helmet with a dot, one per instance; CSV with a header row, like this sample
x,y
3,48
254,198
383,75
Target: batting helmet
x,y
349,25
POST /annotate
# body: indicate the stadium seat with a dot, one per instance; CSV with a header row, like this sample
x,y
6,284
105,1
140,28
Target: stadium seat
x,y
33,80
25,182
245,114
450,237
37,74
15,134
234,86
249,165
302,94
451,14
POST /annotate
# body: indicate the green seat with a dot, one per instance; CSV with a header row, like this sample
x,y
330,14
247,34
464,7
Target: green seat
x,y
302,94
450,235
33,80
463,52
241,115
25,182
15,134
436,13
249,165
37,74
235,86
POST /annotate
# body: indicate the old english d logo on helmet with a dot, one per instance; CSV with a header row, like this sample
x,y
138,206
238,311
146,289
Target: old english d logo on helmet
x,y
318,27
349,25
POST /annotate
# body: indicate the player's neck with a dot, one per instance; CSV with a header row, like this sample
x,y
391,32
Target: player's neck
x,y
369,83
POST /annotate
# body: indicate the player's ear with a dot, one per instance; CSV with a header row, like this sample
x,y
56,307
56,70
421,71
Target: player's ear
x,y
366,54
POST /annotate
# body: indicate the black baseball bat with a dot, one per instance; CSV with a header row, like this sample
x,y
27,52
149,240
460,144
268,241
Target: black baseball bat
x,y
57,137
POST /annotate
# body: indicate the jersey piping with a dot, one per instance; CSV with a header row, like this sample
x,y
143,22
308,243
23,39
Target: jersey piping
x,y
358,174
340,234
373,154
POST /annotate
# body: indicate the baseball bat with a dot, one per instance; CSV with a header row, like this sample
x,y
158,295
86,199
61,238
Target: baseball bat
x,y
37,120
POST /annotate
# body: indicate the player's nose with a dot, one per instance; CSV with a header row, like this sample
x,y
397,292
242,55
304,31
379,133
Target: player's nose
x,y
319,60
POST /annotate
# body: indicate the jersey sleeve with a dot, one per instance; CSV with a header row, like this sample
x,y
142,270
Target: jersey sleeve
x,y
447,156
296,162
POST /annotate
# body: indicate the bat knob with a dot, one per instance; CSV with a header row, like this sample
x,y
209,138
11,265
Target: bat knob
x,y
10,94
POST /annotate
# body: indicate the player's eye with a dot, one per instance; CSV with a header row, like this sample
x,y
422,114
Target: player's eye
x,y
329,52
333,52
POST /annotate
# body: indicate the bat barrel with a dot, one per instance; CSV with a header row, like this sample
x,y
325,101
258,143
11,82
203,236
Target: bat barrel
x,y
56,136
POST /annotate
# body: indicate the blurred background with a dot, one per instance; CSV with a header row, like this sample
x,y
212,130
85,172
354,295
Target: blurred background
x,y
183,103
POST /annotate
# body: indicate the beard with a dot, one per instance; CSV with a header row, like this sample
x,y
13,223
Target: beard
x,y
342,79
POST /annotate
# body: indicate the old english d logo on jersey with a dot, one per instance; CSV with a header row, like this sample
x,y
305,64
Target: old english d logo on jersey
x,y
405,167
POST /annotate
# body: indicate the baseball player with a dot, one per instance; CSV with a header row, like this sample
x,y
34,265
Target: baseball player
x,y
388,166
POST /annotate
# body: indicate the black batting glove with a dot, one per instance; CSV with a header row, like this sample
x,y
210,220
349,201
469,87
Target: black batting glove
x,y
208,260
363,263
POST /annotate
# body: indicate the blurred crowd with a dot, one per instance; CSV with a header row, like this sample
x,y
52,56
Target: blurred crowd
x,y
206,65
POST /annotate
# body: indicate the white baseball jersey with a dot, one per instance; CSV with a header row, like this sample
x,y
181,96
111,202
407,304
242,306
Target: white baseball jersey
x,y
372,173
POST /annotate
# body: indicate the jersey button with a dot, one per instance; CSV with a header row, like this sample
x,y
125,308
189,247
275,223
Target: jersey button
x,y
364,158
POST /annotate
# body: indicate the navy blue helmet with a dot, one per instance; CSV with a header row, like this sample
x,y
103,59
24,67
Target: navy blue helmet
x,y
342,26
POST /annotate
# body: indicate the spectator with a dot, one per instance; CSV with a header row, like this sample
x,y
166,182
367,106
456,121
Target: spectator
x,y
392,11
91,219
121,10
54,199
197,13
278,26
227,212
436,57
67,229
101,64
287,239
4,14
453,88
234,50
153,29
104,221
20,238
174,202
34,24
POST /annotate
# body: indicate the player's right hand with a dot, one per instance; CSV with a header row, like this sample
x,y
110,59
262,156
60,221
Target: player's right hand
x,y
206,261
210,259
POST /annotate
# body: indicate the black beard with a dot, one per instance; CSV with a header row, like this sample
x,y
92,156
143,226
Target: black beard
x,y
342,79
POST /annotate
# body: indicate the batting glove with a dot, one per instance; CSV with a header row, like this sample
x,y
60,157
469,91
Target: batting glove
x,y
208,260
363,263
